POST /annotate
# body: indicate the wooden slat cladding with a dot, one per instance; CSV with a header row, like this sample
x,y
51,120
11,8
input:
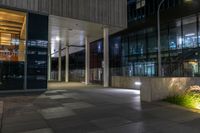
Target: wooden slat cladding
x,y
108,12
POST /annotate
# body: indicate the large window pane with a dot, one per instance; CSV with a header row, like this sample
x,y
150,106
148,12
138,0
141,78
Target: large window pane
x,y
164,40
141,43
152,41
96,59
12,49
190,32
175,37
133,44
144,69
37,51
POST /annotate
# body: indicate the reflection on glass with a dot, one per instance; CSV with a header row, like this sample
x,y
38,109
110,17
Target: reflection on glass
x,y
191,68
144,68
37,51
152,42
175,39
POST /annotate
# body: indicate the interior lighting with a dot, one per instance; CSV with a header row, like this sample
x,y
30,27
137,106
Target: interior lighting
x,y
190,34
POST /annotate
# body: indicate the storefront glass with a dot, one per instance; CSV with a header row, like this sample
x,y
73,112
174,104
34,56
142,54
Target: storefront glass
x,y
23,50
12,49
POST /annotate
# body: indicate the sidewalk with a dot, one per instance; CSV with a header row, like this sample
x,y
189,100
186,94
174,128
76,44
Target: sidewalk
x,y
93,111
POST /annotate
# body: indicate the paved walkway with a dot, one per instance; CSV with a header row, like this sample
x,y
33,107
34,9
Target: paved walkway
x,y
93,111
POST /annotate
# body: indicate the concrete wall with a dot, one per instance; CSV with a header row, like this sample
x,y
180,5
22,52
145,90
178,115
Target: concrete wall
x,y
156,88
108,12
125,82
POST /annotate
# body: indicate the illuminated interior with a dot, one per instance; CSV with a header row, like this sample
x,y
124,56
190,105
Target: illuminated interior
x,y
12,35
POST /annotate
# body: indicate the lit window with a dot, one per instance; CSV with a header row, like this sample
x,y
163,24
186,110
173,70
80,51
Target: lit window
x,y
140,4
12,35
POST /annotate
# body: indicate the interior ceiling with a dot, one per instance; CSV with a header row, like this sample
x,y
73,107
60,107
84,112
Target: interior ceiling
x,y
12,23
72,32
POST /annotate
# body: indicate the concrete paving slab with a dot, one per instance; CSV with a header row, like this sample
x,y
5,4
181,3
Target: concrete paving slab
x,y
101,110
45,130
78,105
110,122
57,112
54,97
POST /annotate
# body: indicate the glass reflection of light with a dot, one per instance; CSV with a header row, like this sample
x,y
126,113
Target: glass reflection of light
x,y
99,47
124,91
15,41
190,34
190,40
38,43
180,40
172,45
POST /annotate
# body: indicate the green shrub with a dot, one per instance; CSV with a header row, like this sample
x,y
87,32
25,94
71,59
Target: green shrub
x,y
188,99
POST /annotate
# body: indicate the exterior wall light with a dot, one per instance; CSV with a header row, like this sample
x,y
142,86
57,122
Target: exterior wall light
x,y
137,83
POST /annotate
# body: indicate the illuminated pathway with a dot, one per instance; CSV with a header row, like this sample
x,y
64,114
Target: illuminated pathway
x,y
93,110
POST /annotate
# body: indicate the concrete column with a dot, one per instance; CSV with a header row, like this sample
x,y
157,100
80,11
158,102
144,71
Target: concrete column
x,y
106,57
59,62
67,62
87,61
49,61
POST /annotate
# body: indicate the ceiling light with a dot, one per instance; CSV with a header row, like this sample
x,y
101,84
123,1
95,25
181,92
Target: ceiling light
x,y
190,34
57,38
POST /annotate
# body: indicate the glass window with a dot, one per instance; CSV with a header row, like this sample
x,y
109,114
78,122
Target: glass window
x,y
199,31
96,59
115,43
190,32
12,49
175,38
37,51
144,69
141,43
140,3
132,44
164,40
152,42
125,46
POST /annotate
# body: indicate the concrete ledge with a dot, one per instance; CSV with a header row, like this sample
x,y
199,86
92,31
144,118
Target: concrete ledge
x,y
155,88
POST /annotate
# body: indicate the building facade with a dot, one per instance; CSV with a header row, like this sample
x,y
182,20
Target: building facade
x,y
28,28
133,52
179,39
23,56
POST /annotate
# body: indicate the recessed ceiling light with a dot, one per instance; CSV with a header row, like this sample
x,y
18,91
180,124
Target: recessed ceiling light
x,y
57,38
